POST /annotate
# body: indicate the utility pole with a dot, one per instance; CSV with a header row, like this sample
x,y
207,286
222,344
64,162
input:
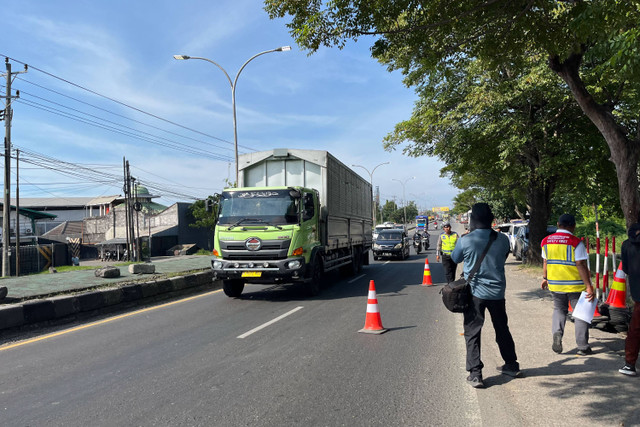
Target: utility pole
x,y
125,165
6,201
131,230
17,212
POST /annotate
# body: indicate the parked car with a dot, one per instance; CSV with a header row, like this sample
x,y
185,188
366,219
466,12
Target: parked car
x,y
522,241
392,243
513,230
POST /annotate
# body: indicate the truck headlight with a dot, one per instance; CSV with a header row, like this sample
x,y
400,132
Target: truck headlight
x,y
294,265
217,265
398,246
376,246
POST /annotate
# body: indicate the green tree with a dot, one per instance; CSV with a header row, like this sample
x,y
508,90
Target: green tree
x,y
506,132
390,211
591,45
202,218
412,211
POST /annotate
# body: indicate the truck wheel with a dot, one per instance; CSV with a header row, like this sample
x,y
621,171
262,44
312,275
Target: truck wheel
x,y
233,288
315,284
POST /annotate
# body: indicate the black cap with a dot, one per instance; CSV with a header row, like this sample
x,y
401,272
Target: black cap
x,y
566,220
446,224
481,216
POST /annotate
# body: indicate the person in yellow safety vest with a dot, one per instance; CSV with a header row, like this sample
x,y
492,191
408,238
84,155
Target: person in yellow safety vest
x,y
566,274
446,244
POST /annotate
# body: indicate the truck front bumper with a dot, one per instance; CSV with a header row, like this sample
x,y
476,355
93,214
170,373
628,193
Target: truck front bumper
x,y
260,271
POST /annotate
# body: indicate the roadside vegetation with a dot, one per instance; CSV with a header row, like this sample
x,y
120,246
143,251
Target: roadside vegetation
x,y
532,106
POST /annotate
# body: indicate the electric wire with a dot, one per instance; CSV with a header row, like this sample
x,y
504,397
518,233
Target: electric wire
x,y
208,144
113,99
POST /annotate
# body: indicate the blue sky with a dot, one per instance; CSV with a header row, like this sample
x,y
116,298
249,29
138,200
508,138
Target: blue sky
x,y
341,101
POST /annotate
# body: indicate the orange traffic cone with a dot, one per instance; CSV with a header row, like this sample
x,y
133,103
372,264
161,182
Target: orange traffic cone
x,y
426,278
373,322
618,291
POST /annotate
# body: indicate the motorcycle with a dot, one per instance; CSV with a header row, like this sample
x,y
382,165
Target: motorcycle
x,y
425,241
417,243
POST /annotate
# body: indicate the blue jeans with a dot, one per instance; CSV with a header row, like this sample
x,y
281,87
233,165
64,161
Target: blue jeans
x,y
473,322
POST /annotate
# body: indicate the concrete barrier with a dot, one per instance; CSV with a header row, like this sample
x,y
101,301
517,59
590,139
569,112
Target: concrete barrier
x,y
145,268
61,306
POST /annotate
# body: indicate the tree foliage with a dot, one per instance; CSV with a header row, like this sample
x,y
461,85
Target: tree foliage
x,y
201,217
592,46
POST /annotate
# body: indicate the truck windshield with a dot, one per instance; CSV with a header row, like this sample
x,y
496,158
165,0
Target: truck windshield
x,y
272,207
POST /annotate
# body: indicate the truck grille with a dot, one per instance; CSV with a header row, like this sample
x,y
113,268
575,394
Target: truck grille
x,y
270,249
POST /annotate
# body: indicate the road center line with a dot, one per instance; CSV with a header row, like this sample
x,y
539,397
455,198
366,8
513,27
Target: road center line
x,y
356,278
270,322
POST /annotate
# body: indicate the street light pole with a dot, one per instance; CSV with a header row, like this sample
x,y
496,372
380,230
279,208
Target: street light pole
x,y
404,201
371,182
233,90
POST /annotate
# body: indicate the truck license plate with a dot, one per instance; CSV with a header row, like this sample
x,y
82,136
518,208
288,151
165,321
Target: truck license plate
x,y
251,274
387,254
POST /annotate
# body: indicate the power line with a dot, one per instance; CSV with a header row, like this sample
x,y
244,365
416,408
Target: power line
x,y
172,145
115,100
22,92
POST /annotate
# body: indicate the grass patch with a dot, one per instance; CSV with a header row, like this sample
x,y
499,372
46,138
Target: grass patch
x,y
203,252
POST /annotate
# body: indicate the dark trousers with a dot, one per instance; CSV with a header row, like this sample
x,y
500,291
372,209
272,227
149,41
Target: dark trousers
x,y
449,268
473,321
632,343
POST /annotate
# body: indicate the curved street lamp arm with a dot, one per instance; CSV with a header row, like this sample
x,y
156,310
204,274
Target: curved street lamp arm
x,y
374,169
217,65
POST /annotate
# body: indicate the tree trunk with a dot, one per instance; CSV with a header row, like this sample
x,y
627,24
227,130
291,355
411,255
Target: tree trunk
x,y
624,151
539,198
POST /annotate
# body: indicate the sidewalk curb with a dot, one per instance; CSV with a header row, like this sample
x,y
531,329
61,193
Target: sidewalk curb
x,y
58,307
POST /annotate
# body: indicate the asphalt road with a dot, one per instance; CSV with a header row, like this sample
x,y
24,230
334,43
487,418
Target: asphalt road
x,y
200,361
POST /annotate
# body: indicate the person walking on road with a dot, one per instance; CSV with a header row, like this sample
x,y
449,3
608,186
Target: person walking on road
x,y
631,266
446,244
487,289
565,273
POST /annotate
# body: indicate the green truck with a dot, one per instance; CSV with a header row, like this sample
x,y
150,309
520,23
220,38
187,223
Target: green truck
x,y
296,215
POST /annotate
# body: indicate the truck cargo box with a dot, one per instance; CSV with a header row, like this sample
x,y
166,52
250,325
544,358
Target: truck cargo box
x,y
345,197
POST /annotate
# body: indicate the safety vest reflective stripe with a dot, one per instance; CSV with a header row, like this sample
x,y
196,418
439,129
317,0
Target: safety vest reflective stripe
x,y
448,242
562,273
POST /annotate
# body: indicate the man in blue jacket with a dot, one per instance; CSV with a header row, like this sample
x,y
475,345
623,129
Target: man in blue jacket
x,y
487,287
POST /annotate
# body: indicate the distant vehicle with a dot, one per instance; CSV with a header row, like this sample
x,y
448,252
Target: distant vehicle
x,y
422,223
378,229
522,241
392,243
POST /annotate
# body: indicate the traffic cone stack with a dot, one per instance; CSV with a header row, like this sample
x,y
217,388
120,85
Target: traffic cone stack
x,y
373,322
617,300
426,278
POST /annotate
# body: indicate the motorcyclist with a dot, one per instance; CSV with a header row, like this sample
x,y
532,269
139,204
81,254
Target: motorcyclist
x,y
417,241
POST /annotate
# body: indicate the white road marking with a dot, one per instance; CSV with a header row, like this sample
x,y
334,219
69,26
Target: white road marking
x,y
356,278
270,322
